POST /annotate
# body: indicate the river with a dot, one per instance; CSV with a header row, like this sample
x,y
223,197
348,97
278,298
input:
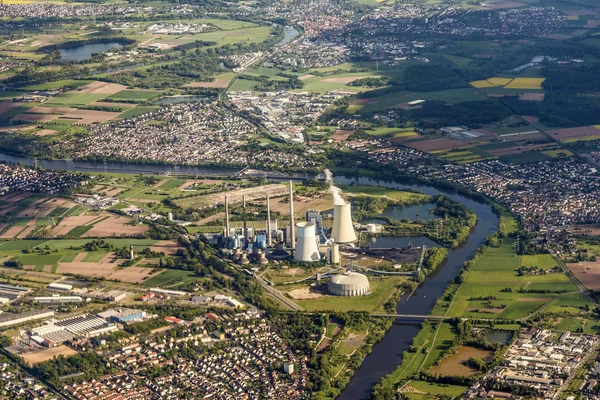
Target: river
x,y
85,51
387,354
98,166
289,33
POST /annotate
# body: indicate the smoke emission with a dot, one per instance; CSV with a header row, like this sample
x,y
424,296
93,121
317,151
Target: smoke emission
x,y
335,191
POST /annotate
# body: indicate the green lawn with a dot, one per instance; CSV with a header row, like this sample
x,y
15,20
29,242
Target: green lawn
x,y
382,289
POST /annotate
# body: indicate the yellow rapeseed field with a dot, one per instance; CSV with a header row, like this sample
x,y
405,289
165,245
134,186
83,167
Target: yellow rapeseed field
x,y
482,84
525,83
499,81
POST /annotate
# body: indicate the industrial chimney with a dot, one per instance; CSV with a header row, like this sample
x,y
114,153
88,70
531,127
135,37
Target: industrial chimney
x,y
227,217
268,221
343,229
292,230
307,249
245,226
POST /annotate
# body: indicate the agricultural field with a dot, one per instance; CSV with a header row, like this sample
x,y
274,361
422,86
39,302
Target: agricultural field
x,y
71,257
401,99
495,289
31,215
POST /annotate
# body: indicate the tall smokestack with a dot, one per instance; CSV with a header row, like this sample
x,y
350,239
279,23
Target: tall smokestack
x,y
226,217
292,225
268,220
245,226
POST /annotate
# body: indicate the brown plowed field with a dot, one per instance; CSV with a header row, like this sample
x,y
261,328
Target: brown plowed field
x,y
8,105
217,83
12,232
344,80
574,132
102,88
169,247
47,354
35,117
115,226
588,273
436,144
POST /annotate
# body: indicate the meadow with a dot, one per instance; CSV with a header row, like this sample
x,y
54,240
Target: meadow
x,y
494,288
382,290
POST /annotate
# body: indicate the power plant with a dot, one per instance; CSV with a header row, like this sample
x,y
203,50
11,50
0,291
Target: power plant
x,y
343,228
307,249
305,241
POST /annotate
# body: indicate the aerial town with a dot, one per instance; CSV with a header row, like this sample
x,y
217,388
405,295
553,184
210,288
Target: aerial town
x,y
321,199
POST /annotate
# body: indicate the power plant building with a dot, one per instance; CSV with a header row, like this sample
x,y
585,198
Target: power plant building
x,y
349,284
343,228
307,249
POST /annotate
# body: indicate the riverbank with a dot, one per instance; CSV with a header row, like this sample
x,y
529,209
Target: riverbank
x,y
387,354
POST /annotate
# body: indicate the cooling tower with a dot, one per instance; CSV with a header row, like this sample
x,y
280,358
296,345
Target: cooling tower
x,y
343,229
306,246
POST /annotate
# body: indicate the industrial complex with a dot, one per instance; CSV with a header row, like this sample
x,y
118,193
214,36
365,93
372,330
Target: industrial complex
x,y
307,242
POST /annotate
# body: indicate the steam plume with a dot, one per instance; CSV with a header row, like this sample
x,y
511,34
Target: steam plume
x,y
335,191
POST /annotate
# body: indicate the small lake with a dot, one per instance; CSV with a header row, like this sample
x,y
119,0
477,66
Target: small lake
x,y
398,213
456,364
498,337
181,99
290,33
85,51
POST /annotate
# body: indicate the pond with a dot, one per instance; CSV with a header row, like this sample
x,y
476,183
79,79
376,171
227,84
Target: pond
x,y
498,337
456,364
85,51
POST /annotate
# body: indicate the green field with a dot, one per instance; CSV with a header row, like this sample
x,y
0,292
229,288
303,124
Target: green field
x,y
58,84
496,274
134,112
139,95
79,230
172,278
399,195
450,96
94,256
172,184
452,391
382,289
74,99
